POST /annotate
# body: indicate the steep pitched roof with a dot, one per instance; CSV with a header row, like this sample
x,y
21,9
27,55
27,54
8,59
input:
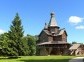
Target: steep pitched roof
x,y
74,46
52,22
61,31
44,31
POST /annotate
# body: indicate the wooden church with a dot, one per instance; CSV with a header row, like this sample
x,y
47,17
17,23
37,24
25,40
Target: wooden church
x,y
52,39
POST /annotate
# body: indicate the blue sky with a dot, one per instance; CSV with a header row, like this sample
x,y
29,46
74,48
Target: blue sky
x,y
34,13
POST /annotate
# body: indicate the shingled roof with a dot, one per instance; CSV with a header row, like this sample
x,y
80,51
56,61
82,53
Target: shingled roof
x,y
52,22
74,46
47,31
61,31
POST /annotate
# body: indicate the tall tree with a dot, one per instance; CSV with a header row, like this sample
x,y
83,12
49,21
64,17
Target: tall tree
x,y
15,35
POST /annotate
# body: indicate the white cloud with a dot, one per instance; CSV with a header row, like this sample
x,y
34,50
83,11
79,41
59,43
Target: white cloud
x,y
75,19
2,31
79,27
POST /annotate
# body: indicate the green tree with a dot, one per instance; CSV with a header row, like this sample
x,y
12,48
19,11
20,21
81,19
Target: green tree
x,y
26,47
15,35
4,45
14,43
32,44
74,42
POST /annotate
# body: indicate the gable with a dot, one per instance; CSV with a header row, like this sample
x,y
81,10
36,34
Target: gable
x,y
65,33
62,32
42,32
43,37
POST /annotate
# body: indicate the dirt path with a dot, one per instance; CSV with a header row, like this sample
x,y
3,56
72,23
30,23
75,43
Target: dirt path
x,y
77,59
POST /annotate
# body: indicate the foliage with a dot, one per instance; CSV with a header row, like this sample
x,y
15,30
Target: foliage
x,y
74,42
31,42
14,43
15,35
26,47
4,43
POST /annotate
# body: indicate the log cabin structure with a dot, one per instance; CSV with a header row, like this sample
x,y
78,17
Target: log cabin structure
x,y
52,39
77,49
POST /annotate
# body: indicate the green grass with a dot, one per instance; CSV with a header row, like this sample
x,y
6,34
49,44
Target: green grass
x,y
38,59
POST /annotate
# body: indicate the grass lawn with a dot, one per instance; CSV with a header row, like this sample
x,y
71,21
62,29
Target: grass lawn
x,y
38,59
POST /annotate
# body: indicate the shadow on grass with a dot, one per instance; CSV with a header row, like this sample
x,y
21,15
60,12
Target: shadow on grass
x,y
3,58
47,60
10,57
52,60
13,57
